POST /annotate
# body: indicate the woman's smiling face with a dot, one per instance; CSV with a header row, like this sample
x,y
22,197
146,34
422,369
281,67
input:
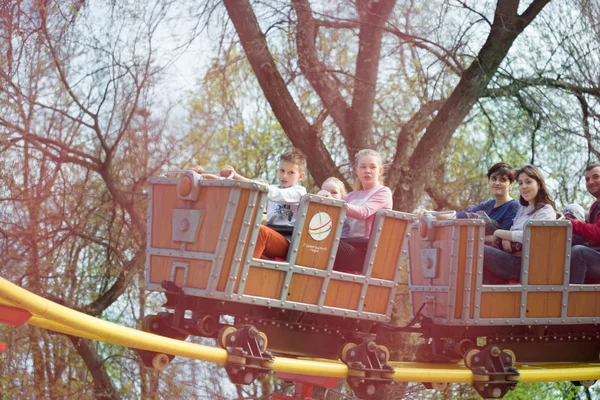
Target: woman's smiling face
x,y
528,187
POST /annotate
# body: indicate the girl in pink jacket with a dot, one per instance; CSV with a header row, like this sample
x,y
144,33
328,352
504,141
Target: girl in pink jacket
x,y
368,197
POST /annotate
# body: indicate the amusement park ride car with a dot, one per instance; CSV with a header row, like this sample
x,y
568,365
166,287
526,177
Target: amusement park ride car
x,y
199,253
201,237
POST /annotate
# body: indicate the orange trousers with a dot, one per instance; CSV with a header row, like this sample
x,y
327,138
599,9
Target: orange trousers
x,y
271,244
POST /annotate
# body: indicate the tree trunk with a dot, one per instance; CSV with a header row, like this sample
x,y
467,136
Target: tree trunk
x,y
373,15
103,387
355,122
507,26
303,136
410,172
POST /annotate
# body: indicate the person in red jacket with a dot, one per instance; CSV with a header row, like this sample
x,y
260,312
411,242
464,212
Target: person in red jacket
x,y
585,261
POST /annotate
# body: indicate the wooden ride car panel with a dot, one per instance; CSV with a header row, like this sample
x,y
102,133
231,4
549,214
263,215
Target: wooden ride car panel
x,y
547,255
443,268
456,295
500,305
202,240
341,294
544,263
316,247
389,248
584,304
377,299
264,283
198,242
544,304
165,268
246,209
305,288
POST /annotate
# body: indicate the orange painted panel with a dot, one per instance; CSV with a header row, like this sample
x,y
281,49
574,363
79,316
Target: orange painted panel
x,y
305,288
199,274
389,248
342,294
461,269
439,309
584,304
547,255
245,254
316,253
544,304
479,231
164,200
213,200
500,304
442,241
414,245
233,239
264,282
198,271
377,299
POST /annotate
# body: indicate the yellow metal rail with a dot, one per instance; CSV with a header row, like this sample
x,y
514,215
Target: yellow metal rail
x,y
49,315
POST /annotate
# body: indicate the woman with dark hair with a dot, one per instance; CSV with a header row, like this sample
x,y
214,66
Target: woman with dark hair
x,y
498,211
500,262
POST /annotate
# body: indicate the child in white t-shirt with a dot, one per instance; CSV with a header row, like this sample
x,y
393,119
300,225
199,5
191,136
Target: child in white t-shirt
x,y
282,205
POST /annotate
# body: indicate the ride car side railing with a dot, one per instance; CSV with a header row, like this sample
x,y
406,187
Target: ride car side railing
x,y
306,281
444,259
199,231
543,295
202,234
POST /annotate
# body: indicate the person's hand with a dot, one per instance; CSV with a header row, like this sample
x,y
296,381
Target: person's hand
x,y
228,172
419,212
496,242
570,217
199,170
324,193
507,246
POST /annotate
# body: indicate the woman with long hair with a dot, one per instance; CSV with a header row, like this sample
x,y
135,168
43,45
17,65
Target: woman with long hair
x,y
503,262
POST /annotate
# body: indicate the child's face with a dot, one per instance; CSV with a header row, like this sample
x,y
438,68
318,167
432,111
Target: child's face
x,y
289,174
333,189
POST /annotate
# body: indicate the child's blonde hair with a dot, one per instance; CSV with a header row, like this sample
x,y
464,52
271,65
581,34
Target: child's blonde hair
x,y
337,182
366,152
